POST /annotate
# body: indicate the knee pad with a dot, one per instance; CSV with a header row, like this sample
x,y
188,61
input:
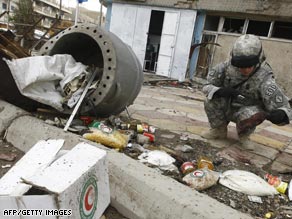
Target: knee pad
x,y
248,118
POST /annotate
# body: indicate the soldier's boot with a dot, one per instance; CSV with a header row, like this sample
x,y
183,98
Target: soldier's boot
x,y
244,141
216,133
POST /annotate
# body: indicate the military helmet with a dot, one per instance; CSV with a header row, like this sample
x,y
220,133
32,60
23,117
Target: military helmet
x,y
247,51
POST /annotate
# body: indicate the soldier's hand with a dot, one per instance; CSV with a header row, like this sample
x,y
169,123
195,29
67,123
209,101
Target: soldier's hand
x,y
278,117
227,92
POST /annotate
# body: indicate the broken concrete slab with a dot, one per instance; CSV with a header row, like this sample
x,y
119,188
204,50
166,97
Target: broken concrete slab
x,y
261,150
233,153
280,167
285,159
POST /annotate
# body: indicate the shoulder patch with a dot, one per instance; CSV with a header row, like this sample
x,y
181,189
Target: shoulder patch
x,y
279,99
271,90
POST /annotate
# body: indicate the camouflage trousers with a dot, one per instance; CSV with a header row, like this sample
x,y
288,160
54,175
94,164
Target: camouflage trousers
x,y
220,112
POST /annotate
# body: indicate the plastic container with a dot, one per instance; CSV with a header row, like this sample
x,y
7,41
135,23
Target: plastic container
x,y
205,162
277,183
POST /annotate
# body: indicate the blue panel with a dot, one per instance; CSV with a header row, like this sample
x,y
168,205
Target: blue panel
x,y
108,14
197,38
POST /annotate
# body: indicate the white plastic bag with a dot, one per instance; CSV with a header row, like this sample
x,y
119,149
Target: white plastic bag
x,y
201,179
158,158
247,183
38,77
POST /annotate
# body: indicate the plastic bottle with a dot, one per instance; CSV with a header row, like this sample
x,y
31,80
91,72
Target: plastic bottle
x,y
277,183
205,162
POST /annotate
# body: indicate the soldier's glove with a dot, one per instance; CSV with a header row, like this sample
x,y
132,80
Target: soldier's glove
x,y
227,92
278,117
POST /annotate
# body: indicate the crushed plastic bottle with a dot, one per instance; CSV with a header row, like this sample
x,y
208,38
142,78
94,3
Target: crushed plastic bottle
x,y
205,162
277,183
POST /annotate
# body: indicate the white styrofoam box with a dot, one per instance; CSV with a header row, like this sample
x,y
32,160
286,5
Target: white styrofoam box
x,y
75,185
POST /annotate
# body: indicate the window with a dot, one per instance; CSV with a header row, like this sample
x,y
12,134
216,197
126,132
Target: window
x,y
259,28
211,23
4,6
282,30
233,25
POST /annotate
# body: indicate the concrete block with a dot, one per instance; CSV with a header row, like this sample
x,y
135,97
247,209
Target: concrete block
x,y
267,141
8,113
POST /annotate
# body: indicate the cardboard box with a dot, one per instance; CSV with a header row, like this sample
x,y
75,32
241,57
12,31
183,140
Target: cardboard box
x,y
74,185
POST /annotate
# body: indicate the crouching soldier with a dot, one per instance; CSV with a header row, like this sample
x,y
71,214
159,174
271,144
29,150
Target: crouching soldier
x,y
243,90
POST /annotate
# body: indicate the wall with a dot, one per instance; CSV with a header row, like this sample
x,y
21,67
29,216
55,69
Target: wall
x,y
278,55
279,8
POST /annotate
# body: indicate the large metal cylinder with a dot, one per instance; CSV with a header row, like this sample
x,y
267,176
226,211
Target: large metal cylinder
x,y
121,77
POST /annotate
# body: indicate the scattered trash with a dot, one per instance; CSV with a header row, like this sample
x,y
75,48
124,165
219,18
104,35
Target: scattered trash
x,y
86,120
136,147
201,179
6,166
184,137
205,162
115,121
269,215
187,167
255,199
277,183
246,182
107,136
232,203
158,158
184,148
8,157
140,128
150,136
286,210
152,129
142,139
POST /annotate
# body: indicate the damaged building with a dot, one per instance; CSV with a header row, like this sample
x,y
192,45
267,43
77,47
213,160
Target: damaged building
x,y
183,39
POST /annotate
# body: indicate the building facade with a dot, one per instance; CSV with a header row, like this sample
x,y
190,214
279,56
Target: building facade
x,y
216,25
6,6
48,9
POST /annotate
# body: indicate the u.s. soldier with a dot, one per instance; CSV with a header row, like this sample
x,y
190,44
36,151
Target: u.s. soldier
x,y
243,90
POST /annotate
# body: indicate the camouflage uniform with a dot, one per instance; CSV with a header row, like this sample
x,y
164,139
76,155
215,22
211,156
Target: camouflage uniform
x,y
260,95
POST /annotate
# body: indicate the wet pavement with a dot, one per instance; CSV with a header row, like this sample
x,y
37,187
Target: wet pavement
x,y
180,109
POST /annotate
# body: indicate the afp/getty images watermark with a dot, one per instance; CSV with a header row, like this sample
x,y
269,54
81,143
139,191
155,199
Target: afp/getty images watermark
x,y
36,212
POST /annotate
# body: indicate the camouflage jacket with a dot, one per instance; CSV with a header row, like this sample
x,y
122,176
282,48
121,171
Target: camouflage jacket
x,y
260,89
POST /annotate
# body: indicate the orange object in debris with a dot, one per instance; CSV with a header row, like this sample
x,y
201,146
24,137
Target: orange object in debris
x,y
205,162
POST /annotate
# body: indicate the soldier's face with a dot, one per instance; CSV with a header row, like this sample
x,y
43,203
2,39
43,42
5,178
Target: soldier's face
x,y
246,71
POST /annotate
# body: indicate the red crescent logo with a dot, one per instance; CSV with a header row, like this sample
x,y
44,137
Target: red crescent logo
x,y
87,205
